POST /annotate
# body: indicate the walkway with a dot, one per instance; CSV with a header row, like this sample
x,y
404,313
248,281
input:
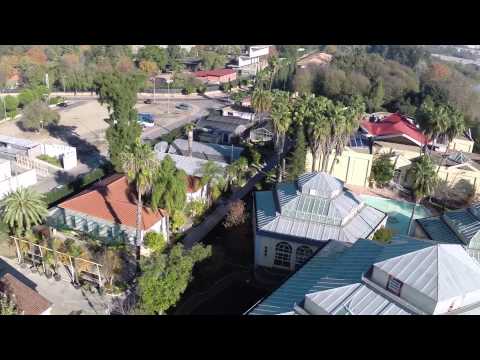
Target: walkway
x,y
197,233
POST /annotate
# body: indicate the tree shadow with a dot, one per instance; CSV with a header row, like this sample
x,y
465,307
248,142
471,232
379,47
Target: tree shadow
x,y
87,153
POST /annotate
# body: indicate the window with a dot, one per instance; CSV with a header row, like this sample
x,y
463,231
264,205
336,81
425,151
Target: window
x,y
283,253
394,285
265,251
302,254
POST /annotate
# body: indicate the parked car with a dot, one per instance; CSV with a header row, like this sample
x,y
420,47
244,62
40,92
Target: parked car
x,y
183,106
63,104
148,101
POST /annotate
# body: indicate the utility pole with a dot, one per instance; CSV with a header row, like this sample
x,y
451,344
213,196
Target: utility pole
x,y
154,80
168,96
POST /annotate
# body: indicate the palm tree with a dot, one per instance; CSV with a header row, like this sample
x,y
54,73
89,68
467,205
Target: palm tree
x,y
189,130
455,127
318,128
424,181
273,64
281,119
261,102
433,119
139,164
22,209
212,175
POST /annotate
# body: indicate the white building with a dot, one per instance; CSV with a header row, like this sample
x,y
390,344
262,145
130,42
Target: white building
x,y
297,218
12,179
254,60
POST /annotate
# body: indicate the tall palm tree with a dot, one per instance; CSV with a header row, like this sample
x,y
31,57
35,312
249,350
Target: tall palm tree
x,y
273,64
261,102
432,118
22,209
212,175
455,127
318,128
139,164
424,181
189,130
281,114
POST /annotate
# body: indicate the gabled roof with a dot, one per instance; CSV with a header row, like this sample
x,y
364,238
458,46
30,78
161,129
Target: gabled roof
x,y
206,151
337,269
113,200
27,300
191,165
394,125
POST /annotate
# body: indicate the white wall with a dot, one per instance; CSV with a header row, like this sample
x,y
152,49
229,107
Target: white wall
x,y
67,153
262,242
198,194
5,170
241,114
26,179
258,51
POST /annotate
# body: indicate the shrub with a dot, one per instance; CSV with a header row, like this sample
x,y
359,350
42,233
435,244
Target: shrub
x,y
155,242
11,103
383,235
177,220
51,160
236,215
201,89
382,170
55,100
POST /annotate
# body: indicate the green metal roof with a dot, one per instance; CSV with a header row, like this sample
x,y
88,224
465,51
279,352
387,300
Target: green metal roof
x,y
339,269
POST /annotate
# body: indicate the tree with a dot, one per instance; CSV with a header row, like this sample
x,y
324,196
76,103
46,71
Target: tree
x,y
261,102
148,67
317,127
212,176
22,209
281,114
383,235
155,54
273,64
424,181
433,118
166,277
382,170
236,172
7,307
139,164
11,103
155,242
236,214
119,92
296,161
212,60
189,130
169,187
37,115
112,265
376,96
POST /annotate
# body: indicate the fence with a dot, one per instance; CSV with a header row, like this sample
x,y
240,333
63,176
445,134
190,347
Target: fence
x,y
41,168
78,268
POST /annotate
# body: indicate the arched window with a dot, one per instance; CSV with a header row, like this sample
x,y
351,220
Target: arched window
x,y
283,253
302,254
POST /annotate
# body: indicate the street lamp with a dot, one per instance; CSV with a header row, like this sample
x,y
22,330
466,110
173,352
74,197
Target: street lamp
x,y
168,97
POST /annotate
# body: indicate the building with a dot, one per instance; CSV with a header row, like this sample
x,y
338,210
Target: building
x,y
205,151
224,130
263,132
216,76
243,112
394,128
15,147
314,59
26,300
254,59
353,166
191,165
12,177
406,277
297,218
107,210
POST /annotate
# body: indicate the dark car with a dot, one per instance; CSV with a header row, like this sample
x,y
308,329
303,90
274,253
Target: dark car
x,y
183,106
148,101
63,104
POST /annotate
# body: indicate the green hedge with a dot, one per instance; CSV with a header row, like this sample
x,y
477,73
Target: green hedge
x,y
76,186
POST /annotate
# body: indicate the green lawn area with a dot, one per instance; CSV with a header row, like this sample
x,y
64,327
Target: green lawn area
x,y
51,160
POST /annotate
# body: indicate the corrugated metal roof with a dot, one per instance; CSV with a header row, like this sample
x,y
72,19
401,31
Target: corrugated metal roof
x,y
28,144
441,272
206,151
437,230
333,213
192,166
333,271
355,299
464,222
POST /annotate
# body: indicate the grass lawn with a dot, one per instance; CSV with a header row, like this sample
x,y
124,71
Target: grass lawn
x,y
51,160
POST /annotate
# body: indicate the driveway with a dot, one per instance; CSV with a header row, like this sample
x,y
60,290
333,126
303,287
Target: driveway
x,y
64,297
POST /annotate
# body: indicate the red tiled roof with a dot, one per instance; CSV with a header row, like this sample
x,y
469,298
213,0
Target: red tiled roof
x,y
215,72
394,124
112,200
27,300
